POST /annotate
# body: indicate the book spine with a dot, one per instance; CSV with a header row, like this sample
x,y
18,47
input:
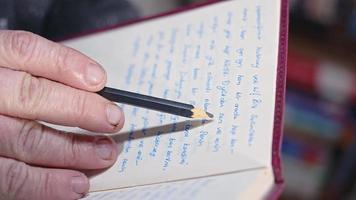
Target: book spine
x,y
276,191
310,154
313,117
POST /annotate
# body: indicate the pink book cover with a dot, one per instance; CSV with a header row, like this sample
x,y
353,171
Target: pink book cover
x,y
280,90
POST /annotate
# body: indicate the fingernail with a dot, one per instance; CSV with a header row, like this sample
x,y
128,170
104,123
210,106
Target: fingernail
x,y
114,114
80,185
104,149
95,74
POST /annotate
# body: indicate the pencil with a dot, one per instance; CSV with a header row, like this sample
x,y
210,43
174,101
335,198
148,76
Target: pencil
x,y
153,103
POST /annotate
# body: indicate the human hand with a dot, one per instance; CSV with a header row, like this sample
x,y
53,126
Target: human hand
x,y
44,81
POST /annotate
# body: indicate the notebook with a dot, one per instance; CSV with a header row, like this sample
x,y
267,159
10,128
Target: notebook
x,y
227,57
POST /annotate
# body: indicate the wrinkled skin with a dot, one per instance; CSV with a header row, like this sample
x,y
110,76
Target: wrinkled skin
x,y
44,81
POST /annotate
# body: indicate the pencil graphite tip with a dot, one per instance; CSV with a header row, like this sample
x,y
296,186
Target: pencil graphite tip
x,y
210,115
199,113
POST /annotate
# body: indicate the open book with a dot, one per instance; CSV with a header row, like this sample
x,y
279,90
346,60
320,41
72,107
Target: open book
x,y
226,57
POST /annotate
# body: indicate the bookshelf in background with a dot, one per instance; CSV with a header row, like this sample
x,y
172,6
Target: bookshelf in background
x,y
320,144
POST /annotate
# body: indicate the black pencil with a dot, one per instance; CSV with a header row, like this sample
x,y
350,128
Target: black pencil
x,y
153,103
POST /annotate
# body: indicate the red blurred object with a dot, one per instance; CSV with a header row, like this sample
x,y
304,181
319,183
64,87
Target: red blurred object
x,y
322,77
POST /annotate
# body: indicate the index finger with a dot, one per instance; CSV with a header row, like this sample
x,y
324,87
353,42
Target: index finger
x,y
24,51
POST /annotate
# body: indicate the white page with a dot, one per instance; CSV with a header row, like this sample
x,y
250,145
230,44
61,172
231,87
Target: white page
x,y
253,184
222,58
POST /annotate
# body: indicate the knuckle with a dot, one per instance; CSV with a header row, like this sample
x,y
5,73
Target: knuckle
x,y
47,185
29,141
79,105
22,44
62,57
16,177
30,92
71,155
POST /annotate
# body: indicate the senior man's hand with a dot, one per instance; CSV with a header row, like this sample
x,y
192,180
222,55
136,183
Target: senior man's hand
x,y
44,81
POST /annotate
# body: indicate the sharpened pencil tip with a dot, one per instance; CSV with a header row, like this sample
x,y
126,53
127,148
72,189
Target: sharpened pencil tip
x,y
199,113
209,114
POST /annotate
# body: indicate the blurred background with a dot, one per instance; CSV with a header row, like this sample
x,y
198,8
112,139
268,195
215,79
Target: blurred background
x,y
319,147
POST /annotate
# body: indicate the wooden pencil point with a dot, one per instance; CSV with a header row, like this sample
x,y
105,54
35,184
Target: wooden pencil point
x,y
199,113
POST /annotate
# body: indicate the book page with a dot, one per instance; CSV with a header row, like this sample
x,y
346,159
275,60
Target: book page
x,y
221,58
227,187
